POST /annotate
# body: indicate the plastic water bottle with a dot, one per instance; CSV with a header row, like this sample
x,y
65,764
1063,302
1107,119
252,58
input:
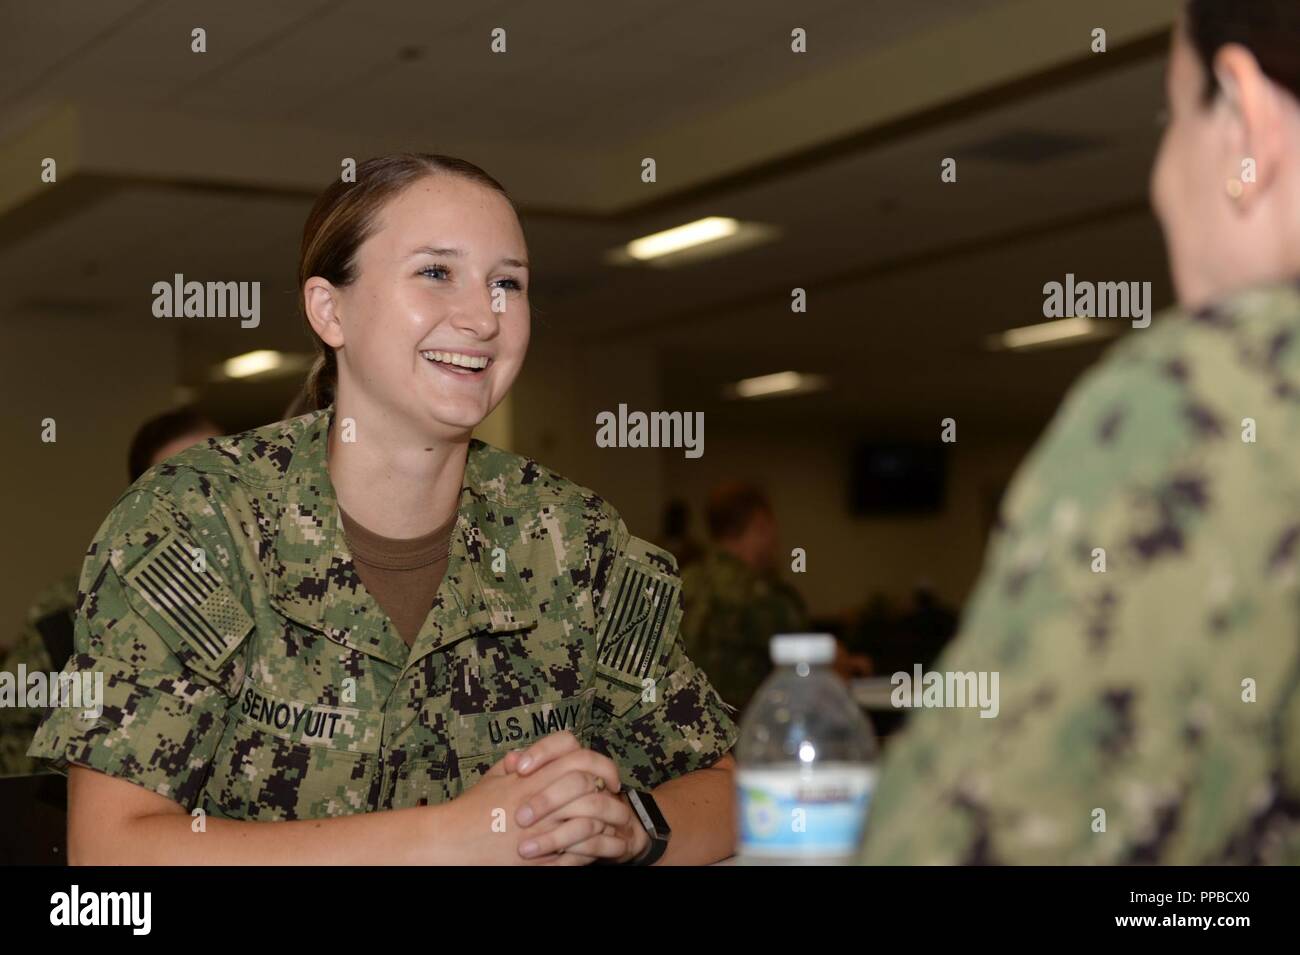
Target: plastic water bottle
x,y
806,761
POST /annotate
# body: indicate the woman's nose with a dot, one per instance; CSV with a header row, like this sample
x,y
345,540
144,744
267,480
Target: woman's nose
x,y
475,312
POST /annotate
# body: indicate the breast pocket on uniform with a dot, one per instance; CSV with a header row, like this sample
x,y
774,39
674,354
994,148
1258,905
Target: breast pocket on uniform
x,y
287,759
418,777
481,739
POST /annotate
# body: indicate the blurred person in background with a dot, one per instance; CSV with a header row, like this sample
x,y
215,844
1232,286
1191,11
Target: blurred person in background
x,y
45,641
898,639
165,436
1150,708
735,597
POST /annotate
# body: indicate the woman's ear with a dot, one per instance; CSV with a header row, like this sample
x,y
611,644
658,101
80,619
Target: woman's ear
x,y
321,302
1253,142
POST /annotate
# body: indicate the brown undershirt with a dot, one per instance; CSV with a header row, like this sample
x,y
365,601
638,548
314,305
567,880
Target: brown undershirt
x,y
403,575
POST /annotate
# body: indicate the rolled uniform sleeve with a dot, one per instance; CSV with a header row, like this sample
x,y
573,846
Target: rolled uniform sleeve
x,y
655,713
156,630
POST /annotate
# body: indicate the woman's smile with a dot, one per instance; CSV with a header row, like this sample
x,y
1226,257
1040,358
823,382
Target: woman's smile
x,y
462,364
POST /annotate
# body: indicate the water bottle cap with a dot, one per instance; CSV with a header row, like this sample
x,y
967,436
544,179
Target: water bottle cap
x,y
811,648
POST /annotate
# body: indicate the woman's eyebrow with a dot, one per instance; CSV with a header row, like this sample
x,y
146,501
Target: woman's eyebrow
x,y
451,253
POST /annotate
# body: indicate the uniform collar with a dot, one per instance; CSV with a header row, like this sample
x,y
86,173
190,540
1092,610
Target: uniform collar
x,y
314,581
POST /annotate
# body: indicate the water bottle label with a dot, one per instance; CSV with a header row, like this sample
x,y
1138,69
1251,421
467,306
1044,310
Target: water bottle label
x,y
811,814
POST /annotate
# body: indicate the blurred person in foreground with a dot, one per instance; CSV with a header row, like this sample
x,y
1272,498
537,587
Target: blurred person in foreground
x,y
45,641
1150,713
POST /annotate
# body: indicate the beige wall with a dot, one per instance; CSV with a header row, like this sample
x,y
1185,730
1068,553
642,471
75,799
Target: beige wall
x,y
849,558
554,405
75,371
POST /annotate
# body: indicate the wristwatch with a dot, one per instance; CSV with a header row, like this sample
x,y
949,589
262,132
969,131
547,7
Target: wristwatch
x,y
656,826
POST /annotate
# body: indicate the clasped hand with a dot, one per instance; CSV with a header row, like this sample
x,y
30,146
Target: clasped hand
x,y
562,806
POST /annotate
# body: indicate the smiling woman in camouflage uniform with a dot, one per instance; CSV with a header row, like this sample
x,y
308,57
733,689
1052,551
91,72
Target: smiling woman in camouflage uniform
x,y
342,623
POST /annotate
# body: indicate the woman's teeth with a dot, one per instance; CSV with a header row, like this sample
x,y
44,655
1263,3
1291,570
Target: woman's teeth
x,y
455,358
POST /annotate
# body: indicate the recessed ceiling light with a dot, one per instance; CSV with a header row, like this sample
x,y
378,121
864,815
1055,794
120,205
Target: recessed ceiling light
x,y
701,239
780,383
262,363
658,244
252,363
1064,331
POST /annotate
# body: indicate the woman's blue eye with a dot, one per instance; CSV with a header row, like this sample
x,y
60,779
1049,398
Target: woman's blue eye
x,y
512,284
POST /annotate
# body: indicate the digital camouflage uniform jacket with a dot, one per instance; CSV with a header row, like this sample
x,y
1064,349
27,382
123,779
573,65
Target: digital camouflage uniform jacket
x,y
248,672
731,614
1150,711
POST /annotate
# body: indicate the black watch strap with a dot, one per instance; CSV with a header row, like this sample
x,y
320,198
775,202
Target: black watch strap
x,y
656,826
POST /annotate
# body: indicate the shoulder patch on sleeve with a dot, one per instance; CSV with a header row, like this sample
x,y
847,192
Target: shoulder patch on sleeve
x,y
641,605
196,603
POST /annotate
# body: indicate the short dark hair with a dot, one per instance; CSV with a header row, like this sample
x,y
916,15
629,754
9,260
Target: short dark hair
x,y
731,506
158,431
1270,29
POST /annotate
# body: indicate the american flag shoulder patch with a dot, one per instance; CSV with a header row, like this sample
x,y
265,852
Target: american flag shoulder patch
x,y
642,605
196,605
